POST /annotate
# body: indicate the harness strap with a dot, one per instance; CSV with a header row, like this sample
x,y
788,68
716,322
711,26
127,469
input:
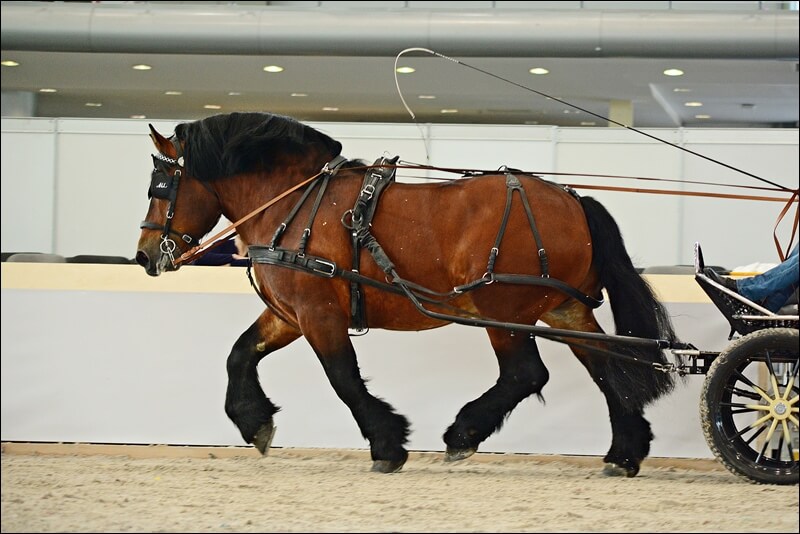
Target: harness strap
x,y
376,179
330,167
321,179
513,184
186,238
318,266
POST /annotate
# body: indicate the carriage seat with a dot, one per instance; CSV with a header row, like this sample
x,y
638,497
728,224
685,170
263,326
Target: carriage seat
x,y
791,307
743,315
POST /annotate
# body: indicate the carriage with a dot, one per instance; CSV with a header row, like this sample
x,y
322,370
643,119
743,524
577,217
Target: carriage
x,y
340,246
750,389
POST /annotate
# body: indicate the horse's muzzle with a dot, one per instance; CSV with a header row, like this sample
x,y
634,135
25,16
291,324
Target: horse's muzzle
x,y
156,264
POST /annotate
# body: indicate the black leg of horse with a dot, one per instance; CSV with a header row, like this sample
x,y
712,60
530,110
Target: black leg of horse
x,y
245,402
386,431
631,435
522,373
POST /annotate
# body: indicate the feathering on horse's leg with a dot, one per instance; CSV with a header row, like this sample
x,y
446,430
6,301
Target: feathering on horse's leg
x,y
619,382
245,402
522,373
386,430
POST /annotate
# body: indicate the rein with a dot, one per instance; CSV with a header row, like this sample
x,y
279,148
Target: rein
x,y
199,250
794,192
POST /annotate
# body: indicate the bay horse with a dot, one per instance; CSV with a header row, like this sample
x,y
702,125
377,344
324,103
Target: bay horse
x,y
428,240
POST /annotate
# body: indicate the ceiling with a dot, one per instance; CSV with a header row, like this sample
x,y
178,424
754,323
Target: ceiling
x,y
577,91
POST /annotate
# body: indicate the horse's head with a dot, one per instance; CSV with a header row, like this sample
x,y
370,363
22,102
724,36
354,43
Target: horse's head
x,y
182,209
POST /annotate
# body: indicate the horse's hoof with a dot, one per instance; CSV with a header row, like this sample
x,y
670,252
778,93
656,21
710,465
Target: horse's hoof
x,y
386,466
263,438
454,455
614,470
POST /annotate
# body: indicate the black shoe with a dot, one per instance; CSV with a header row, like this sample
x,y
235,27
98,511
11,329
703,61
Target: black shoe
x,y
724,281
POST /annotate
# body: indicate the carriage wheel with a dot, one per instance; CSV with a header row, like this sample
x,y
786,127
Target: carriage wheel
x,y
749,407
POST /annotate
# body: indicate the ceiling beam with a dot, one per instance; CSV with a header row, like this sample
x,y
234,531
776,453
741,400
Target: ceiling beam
x,y
268,30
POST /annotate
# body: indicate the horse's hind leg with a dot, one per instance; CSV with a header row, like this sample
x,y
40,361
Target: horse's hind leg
x,y
386,431
631,435
522,373
245,402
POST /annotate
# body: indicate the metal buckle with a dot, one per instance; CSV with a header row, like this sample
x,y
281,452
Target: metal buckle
x,y
329,264
368,191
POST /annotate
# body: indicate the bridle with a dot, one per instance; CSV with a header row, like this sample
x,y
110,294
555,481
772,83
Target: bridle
x,y
164,183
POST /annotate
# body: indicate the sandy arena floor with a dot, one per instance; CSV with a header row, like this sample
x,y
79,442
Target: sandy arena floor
x,y
94,488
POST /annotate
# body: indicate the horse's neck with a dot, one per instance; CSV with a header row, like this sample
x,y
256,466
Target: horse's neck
x,y
265,195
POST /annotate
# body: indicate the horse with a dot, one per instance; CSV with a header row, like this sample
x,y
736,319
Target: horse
x,y
490,249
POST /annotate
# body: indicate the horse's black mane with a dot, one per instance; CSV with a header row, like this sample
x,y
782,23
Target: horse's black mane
x,y
229,144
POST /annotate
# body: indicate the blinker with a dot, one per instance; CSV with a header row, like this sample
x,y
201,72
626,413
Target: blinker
x,y
161,183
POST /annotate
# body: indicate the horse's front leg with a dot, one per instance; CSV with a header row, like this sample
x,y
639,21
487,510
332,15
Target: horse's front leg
x,y
386,430
522,373
245,402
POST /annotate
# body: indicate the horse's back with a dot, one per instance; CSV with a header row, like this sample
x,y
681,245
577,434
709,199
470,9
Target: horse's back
x,y
461,220
442,235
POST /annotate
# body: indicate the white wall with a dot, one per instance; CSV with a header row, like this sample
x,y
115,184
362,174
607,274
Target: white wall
x,y
106,354
78,186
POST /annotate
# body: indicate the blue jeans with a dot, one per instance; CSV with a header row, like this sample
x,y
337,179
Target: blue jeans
x,y
773,288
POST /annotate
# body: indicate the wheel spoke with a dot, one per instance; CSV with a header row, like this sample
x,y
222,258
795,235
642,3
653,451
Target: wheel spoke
x,y
742,432
789,389
763,450
745,379
761,421
760,407
772,427
785,434
743,393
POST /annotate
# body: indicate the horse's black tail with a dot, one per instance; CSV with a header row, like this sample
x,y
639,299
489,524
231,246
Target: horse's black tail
x,y
636,313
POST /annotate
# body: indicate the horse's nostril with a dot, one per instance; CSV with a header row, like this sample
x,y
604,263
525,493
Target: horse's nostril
x,y
142,258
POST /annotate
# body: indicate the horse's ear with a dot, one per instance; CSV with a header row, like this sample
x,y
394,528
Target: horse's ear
x,y
159,140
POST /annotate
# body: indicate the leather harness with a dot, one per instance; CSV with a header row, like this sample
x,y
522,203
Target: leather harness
x,y
357,220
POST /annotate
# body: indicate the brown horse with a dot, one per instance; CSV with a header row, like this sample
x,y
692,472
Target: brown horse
x,y
500,250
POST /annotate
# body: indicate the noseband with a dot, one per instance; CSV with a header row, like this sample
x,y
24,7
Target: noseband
x,y
164,185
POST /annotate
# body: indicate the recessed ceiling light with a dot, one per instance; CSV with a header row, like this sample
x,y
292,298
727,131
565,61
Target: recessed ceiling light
x,y
693,104
299,95
93,104
538,70
273,68
681,90
9,63
234,93
212,106
673,72
173,93
405,70
449,111
702,116
141,66
48,90
329,108
426,97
